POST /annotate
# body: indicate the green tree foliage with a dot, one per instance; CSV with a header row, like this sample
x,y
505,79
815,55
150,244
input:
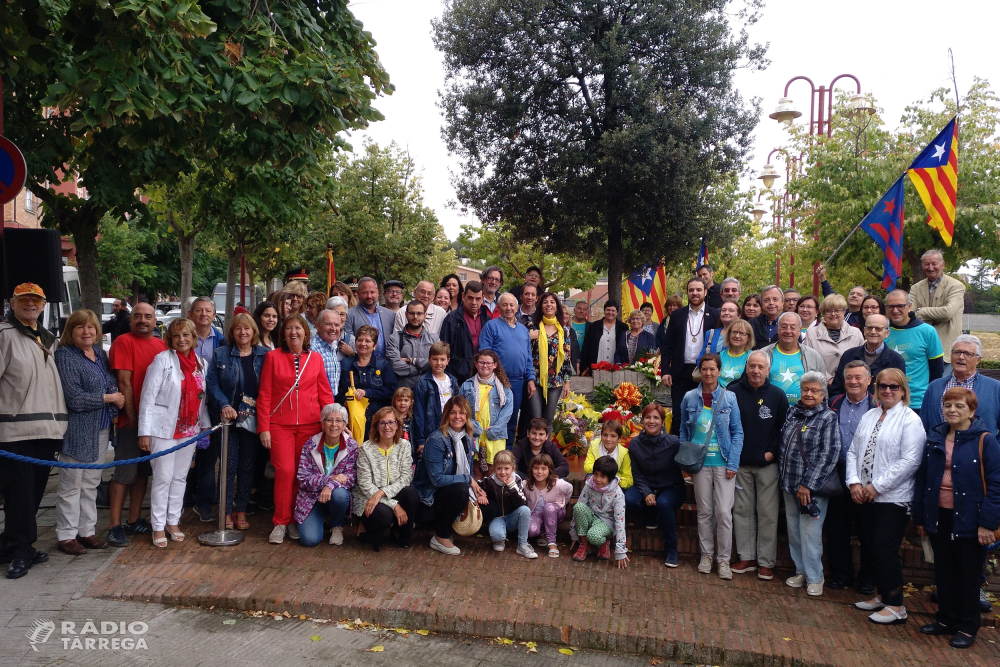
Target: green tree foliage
x,y
599,127
121,246
497,246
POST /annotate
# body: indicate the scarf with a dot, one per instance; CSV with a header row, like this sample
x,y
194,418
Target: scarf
x,y
192,390
543,351
492,381
461,457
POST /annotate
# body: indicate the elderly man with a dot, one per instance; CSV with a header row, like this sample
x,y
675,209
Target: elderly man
x,y
345,343
966,353
369,313
789,360
601,339
202,313
763,408
34,417
939,300
204,491
765,325
492,280
509,339
917,342
392,291
434,314
843,516
409,350
327,342
731,289
462,329
713,297
875,353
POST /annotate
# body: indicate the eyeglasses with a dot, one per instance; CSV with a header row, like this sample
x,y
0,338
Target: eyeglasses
x,y
789,299
388,424
896,306
31,298
888,387
485,362
963,353
737,333
334,420
835,312
876,329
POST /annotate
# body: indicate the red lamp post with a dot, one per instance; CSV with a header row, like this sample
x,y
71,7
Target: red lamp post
x,y
769,175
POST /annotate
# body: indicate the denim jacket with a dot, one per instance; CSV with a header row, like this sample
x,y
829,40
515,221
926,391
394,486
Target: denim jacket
x,y
427,409
437,465
498,416
728,426
225,378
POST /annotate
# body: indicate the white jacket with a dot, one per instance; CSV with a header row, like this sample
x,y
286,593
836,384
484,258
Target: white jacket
x,y
899,448
160,402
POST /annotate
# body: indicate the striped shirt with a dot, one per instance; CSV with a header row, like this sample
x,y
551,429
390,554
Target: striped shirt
x,y
331,363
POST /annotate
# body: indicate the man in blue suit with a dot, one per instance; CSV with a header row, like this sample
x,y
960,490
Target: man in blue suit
x,y
369,313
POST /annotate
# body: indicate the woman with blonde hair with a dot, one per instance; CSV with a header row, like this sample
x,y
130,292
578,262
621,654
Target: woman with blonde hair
x,y
341,289
295,294
833,335
383,497
739,342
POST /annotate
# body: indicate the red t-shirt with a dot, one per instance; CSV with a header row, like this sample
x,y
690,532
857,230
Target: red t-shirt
x,y
129,353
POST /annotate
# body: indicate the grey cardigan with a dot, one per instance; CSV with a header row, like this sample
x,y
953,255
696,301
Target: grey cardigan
x,y
84,389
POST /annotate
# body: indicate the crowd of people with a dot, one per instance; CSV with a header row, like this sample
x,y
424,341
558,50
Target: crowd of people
x,y
857,415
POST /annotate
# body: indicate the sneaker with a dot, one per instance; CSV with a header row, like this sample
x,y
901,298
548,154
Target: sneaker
x,y
984,602
815,590
524,550
138,527
725,572
337,536
499,546
205,514
293,530
116,536
671,560
765,573
798,581
742,566
705,566
604,551
581,553
437,546
277,535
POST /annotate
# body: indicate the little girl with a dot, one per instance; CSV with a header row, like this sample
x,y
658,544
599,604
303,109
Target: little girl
x,y
402,405
608,445
599,514
546,496
502,502
489,394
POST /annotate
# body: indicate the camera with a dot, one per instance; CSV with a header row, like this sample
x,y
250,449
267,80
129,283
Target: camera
x,y
812,509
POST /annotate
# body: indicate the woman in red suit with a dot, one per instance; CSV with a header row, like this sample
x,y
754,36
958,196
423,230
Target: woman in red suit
x,y
293,390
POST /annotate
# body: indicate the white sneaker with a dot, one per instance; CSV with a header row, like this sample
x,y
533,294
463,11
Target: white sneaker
x,y
293,530
437,546
337,536
798,581
815,590
526,551
498,546
277,535
724,570
705,566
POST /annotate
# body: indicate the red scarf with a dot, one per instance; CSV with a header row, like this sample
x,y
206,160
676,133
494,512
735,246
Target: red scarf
x,y
192,389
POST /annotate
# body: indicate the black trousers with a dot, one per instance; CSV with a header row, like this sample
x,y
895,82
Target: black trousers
x,y
682,384
449,502
957,572
843,519
205,460
883,525
382,517
23,486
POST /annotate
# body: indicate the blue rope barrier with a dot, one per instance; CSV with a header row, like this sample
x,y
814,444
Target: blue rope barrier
x,y
112,464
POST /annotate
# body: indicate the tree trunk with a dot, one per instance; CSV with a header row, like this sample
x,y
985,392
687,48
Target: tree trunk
x,y
616,263
185,244
85,239
232,269
252,293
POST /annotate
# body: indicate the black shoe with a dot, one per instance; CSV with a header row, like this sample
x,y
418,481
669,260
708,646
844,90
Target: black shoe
x,y
39,558
252,508
865,589
984,602
934,596
960,640
205,514
18,568
838,584
138,527
116,537
266,504
936,628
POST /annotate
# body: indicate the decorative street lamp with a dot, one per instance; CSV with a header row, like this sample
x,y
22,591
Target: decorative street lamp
x,y
769,174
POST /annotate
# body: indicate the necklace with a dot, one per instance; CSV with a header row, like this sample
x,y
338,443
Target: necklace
x,y
701,324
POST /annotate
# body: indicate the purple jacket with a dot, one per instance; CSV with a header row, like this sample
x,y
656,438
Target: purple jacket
x,y
312,477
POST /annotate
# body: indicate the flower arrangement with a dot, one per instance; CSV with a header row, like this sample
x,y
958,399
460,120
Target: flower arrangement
x,y
574,424
647,364
606,366
631,423
627,395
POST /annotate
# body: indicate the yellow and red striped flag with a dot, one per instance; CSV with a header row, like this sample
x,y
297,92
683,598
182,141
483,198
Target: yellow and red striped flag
x,y
649,283
935,175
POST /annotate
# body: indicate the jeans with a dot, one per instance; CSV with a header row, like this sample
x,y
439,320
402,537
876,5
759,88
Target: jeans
x,y
383,517
668,501
714,494
884,526
517,389
805,537
755,514
957,569
311,530
545,406
842,518
519,519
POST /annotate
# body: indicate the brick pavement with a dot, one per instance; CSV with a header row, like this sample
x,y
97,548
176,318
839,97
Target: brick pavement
x,y
677,614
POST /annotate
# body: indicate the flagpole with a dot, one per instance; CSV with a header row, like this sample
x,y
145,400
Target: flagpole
x,y
856,228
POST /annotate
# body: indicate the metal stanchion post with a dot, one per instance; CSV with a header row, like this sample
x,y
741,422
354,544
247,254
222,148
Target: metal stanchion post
x,y
222,537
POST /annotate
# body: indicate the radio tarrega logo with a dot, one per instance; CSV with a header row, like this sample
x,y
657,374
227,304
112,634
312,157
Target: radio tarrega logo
x,y
39,632
93,635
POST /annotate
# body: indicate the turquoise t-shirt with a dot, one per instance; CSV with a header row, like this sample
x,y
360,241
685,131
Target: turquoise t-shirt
x,y
732,367
580,328
786,372
714,457
917,345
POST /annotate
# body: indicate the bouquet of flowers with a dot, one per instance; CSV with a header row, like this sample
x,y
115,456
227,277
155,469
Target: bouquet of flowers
x,y
606,366
574,424
631,423
648,364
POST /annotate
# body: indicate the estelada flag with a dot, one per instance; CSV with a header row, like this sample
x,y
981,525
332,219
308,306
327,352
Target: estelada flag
x,y
648,283
935,175
884,224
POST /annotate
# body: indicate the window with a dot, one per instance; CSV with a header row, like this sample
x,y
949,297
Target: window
x,y
29,201
463,276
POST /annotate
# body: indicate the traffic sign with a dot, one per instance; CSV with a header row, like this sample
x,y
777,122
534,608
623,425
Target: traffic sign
x,y
13,170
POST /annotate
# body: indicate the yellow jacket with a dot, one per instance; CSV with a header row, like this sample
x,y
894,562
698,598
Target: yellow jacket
x,y
621,454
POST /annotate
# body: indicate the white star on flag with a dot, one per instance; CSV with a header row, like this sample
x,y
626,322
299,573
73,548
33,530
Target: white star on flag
x,y
647,274
939,151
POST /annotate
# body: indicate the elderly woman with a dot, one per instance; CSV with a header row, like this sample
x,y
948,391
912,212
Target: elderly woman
x,y
884,457
739,342
383,497
233,379
172,409
957,501
265,316
711,415
444,473
293,390
635,340
93,400
326,476
373,377
833,336
810,447
552,363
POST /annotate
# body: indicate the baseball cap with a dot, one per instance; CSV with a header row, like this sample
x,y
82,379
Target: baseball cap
x,y
25,289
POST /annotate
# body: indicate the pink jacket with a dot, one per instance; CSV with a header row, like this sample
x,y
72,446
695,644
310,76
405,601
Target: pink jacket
x,y
560,492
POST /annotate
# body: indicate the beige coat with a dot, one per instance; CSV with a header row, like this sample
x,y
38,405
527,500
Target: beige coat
x,y
32,406
818,338
944,313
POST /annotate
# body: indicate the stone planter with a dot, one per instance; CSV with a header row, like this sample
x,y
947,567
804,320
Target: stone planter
x,y
615,378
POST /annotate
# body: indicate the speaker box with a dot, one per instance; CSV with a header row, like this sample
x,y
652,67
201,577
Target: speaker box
x,y
32,256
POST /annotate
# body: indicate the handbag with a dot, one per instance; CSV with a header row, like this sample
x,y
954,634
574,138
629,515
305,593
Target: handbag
x,y
982,473
691,455
469,521
832,487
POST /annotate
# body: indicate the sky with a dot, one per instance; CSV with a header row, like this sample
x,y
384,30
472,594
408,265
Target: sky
x,y
898,50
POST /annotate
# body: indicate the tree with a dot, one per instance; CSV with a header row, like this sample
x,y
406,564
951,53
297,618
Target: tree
x,y
599,127
120,246
497,246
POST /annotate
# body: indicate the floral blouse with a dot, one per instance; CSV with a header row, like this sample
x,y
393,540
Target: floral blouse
x,y
557,377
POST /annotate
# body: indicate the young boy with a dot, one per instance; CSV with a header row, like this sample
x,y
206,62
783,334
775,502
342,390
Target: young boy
x,y
537,443
599,514
430,394
608,445
504,508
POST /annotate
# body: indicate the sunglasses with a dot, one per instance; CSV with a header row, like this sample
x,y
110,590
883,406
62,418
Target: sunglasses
x,y
889,387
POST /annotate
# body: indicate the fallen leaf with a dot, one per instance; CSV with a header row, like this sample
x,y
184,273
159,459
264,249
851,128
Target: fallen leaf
x,y
531,645
786,639
315,638
229,621
532,649
505,641
376,649
302,617
286,614
402,631
654,661
566,651
423,632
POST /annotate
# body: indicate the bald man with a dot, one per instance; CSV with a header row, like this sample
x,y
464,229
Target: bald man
x,y
435,314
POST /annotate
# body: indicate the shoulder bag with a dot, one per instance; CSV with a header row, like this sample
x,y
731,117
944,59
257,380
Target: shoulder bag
x,y
832,487
982,473
691,455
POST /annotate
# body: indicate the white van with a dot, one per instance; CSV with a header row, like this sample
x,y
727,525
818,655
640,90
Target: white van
x,y
56,312
254,295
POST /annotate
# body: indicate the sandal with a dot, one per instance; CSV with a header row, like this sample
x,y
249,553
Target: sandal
x,y
176,536
241,521
229,522
160,542
553,551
